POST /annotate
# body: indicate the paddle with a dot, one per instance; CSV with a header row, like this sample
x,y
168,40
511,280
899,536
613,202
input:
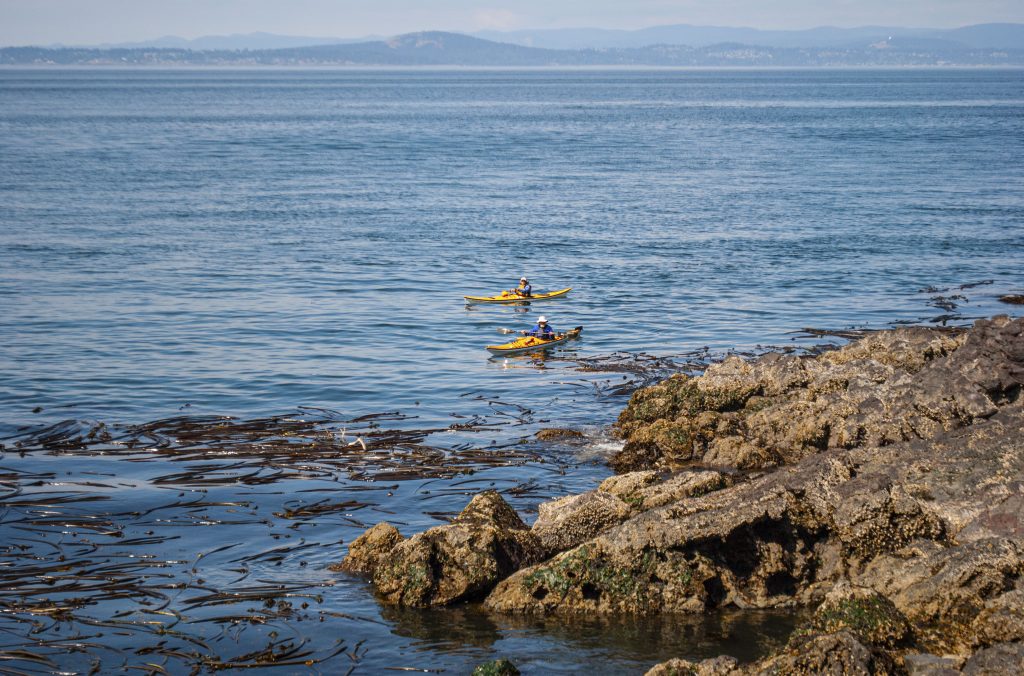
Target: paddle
x,y
570,332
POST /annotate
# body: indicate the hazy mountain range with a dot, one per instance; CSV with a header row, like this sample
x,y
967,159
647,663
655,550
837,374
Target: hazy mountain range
x,y
236,41
979,36
984,44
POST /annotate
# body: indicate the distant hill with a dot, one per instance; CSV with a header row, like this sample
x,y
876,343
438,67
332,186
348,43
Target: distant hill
x,y
453,49
981,36
236,41
988,35
426,49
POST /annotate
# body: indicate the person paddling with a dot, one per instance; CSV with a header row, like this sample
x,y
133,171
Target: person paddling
x,y
524,289
541,330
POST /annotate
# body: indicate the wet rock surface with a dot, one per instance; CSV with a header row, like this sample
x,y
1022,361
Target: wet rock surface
x,y
496,668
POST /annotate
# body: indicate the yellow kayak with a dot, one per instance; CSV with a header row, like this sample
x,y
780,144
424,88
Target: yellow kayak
x,y
530,343
506,297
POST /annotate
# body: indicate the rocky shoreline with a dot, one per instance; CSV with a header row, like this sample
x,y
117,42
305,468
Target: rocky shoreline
x,y
882,483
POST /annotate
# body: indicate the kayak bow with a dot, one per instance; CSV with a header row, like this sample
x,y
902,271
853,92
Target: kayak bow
x,y
506,297
530,343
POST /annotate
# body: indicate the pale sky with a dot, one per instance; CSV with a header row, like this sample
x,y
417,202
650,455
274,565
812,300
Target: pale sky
x,y
25,22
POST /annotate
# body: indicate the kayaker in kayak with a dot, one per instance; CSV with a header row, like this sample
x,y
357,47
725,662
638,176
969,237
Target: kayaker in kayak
x,y
541,330
524,289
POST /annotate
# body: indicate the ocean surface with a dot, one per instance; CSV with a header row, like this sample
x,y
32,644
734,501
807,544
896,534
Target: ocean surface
x,y
216,286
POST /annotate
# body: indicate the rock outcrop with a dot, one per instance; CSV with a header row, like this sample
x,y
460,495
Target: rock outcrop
x,y
882,483
933,526
460,561
870,617
903,512
889,387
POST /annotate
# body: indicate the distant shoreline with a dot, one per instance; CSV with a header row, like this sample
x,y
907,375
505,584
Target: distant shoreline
x,y
458,68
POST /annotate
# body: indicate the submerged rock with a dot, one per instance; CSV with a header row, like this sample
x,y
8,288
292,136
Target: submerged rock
x,y
558,433
460,561
496,668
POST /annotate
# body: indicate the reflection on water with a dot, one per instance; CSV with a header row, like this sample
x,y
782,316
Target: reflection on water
x,y
607,645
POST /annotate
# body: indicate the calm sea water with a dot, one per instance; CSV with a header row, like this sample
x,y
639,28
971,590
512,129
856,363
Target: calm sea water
x,y
245,243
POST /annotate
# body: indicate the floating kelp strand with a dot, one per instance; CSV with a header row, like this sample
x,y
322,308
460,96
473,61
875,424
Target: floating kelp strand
x,y
46,499
20,655
276,551
319,509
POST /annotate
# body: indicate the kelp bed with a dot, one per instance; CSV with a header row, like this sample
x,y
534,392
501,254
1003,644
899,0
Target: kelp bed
x,y
202,543
159,547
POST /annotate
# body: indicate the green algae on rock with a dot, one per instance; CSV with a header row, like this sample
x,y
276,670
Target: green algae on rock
x,y
500,667
871,617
